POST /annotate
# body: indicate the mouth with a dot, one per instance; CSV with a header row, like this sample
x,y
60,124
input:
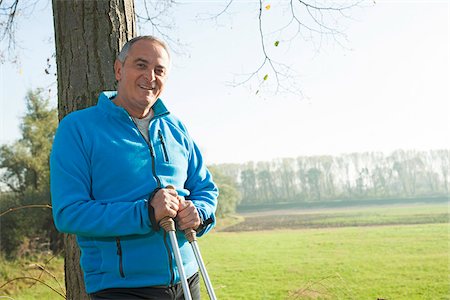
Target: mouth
x,y
147,87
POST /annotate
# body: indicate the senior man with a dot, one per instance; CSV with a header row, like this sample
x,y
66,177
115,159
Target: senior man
x,y
110,166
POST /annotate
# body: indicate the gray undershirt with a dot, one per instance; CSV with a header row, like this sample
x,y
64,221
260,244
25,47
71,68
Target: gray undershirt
x,y
142,125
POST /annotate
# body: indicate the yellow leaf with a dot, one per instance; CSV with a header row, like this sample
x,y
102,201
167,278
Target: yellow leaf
x,y
268,6
267,76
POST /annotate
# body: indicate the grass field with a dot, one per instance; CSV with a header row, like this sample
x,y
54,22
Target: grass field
x,y
46,268
390,262
393,261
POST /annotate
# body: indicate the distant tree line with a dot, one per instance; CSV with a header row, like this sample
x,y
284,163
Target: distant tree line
x,y
371,175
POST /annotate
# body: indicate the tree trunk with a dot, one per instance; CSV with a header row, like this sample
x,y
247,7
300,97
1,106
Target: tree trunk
x,y
88,36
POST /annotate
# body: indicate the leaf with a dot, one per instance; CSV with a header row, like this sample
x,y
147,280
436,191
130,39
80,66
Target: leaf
x,y
276,43
267,6
266,76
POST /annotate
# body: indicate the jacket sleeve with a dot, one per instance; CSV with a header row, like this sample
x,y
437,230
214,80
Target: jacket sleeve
x,y
203,190
74,209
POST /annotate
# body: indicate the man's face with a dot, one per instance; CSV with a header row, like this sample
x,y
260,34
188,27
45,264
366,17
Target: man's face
x,y
142,76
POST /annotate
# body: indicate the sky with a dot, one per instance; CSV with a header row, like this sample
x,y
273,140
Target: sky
x,y
384,87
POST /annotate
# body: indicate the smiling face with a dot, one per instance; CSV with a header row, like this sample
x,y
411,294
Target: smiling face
x,y
141,77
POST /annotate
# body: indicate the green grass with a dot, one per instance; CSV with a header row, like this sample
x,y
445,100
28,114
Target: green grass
x,y
367,262
46,268
391,262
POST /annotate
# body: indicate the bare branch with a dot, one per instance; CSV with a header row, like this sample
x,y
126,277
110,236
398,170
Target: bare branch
x,y
9,25
225,9
9,11
341,8
281,72
43,270
25,206
157,14
217,15
314,20
263,47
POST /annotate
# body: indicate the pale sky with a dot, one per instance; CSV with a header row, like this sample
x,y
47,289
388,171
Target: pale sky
x,y
387,89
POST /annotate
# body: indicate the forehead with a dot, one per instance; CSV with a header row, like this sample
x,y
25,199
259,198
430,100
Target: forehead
x,y
149,50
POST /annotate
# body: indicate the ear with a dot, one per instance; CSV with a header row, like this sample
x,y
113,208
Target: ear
x,y
118,69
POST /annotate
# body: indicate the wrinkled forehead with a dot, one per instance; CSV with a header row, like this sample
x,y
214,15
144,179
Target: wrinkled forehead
x,y
150,48
149,52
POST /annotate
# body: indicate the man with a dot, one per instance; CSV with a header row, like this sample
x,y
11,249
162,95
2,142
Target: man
x,y
110,166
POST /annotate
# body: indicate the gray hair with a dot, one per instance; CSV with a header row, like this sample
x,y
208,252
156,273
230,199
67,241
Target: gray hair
x,y
122,56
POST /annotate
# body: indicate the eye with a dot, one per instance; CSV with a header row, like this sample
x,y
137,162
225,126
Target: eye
x,y
160,71
141,66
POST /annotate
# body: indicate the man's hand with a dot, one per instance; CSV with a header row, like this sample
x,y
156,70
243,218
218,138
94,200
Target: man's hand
x,y
188,216
165,203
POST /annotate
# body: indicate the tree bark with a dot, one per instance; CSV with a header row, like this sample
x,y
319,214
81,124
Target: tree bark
x,y
88,36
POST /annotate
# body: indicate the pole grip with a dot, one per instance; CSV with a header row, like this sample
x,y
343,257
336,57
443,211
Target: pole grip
x,y
167,223
190,235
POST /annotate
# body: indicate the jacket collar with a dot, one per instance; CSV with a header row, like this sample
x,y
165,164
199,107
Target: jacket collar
x,y
105,103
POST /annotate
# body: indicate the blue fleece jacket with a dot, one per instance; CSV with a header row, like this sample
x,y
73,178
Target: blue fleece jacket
x,y
103,173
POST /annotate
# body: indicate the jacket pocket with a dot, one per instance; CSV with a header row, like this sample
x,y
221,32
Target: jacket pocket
x,y
163,146
119,253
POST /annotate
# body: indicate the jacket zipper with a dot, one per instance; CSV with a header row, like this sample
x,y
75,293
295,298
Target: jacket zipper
x,y
163,143
152,154
119,253
172,275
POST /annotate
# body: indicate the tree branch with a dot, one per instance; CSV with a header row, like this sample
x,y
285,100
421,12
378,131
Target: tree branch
x,y
280,71
225,9
157,17
217,15
43,270
329,7
25,206
314,20
8,32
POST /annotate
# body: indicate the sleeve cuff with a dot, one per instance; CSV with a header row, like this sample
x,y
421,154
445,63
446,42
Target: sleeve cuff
x,y
151,211
204,223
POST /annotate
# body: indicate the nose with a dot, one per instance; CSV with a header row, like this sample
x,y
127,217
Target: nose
x,y
150,75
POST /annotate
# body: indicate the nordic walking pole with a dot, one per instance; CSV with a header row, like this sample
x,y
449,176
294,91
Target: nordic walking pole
x,y
191,236
169,226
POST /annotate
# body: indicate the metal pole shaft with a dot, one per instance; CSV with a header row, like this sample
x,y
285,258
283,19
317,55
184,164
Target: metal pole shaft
x,y
183,278
205,276
169,226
